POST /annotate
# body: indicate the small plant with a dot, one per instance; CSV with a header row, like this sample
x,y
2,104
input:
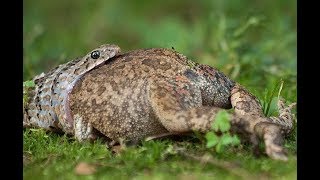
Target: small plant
x,y
221,125
269,103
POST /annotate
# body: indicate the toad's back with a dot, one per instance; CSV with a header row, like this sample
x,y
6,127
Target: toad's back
x,y
115,97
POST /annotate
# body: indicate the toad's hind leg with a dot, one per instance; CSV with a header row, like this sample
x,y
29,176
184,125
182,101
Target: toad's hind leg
x,y
178,106
285,118
246,104
179,109
271,130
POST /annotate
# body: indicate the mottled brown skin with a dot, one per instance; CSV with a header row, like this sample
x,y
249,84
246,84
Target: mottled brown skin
x,y
147,93
150,92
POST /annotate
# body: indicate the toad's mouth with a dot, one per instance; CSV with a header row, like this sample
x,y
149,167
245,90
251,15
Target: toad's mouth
x,y
69,121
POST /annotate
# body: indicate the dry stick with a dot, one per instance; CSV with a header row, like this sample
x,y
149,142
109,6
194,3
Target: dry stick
x,y
149,138
231,167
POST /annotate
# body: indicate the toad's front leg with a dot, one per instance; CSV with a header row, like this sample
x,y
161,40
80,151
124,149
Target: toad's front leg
x,y
249,112
83,130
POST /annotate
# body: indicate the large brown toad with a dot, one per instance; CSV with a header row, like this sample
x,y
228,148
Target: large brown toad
x,y
150,92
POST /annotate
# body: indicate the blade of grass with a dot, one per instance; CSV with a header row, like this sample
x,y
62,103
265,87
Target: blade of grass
x,y
280,89
267,109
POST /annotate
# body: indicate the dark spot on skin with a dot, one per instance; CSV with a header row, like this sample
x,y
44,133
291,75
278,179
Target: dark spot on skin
x,y
125,104
86,60
89,89
127,59
76,71
101,90
181,116
161,93
243,105
94,103
113,84
155,64
151,63
199,112
120,67
145,68
104,103
191,74
87,66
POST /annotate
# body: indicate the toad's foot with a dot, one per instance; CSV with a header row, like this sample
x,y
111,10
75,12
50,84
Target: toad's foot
x,y
273,139
285,118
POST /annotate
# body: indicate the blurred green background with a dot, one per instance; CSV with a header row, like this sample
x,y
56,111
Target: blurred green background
x,y
254,42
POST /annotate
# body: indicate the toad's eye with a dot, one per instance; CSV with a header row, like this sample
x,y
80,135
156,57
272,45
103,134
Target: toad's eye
x,y
95,54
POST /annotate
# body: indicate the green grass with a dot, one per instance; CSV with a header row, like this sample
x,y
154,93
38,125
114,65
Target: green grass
x,y
48,156
253,42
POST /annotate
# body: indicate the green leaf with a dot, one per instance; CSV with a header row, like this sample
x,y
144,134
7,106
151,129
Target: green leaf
x,y
270,102
236,140
212,139
28,84
219,147
221,122
226,139
273,107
